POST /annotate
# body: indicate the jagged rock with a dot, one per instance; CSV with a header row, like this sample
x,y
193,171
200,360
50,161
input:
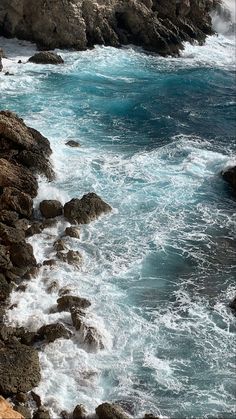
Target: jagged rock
x,y
8,217
232,304
22,224
59,245
86,209
77,317
36,398
36,163
35,228
46,57
89,334
50,262
24,411
73,257
7,412
50,208
54,331
5,288
41,413
11,235
19,369
5,261
110,411
16,176
20,202
73,143
66,302
21,397
22,255
72,232
229,175
79,412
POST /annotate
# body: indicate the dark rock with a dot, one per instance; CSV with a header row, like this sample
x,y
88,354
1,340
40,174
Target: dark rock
x,y
22,255
22,224
50,262
16,176
41,413
11,235
59,245
35,228
5,288
86,209
24,411
79,412
150,416
48,223
66,302
50,208
64,291
5,261
72,232
53,287
65,415
73,143
46,57
232,304
19,369
21,288
21,397
36,398
77,317
8,217
54,331
89,334
229,175
73,257
32,272
37,163
110,411
20,202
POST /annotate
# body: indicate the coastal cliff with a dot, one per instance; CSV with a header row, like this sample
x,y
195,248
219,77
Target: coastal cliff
x,y
161,26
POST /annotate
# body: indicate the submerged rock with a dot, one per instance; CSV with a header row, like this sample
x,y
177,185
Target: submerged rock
x,y
110,411
46,57
50,208
86,209
19,369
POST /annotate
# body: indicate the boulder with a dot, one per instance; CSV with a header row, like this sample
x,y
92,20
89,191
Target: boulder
x,y
50,208
46,57
20,202
22,224
35,228
16,176
51,332
72,232
22,255
10,234
21,397
72,257
66,302
79,412
41,413
37,163
86,209
110,411
19,369
7,411
229,175
5,288
73,143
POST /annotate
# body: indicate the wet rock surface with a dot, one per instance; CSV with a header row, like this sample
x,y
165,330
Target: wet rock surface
x,y
86,209
46,57
66,302
110,411
51,332
229,175
79,412
50,208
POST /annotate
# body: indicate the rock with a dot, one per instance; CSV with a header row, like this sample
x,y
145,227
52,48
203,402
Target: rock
x,y
41,413
86,209
59,245
48,223
19,369
20,202
36,398
50,262
73,143
79,412
8,217
24,411
89,334
5,261
65,415
54,331
22,255
36,163
232,304
73,257
77,317
50,208
16,176
46,57
21,288
35,228
7,412
66,302
229,175
22,224
110,411
5,288
32,272
72,232
21,397
11,235
150,416
53,287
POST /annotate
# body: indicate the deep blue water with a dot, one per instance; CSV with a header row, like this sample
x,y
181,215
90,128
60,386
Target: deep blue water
x,y
160,270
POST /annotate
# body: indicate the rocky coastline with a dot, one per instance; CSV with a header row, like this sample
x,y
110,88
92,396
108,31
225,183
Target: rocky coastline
x,y
155,25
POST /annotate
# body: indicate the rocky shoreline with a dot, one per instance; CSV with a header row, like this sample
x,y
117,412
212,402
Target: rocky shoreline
x,y
155,25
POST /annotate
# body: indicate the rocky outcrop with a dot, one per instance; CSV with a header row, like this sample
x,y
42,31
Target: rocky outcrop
x,y
157,25
46,57
86,209
110,411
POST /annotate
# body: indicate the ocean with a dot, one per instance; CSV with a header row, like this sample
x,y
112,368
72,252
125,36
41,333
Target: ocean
x,y
159,270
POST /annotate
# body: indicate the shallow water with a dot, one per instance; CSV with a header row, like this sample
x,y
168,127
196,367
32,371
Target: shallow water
x,y
160,269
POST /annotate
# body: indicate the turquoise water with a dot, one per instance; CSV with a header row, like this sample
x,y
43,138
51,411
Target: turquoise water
x,y
160,269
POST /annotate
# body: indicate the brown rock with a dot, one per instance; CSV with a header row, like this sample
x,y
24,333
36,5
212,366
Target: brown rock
x,y
12,175
37,163
51,332
8,217
41,413
22,224
50,262
36,398
46,57
5,288
20,202
22,255
50,208
66,302
7,412
35,228
19,369
73,143
72,232
79,412
11,235
73,257
59,245
110,411
5,261
24,411
21,397
86,209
